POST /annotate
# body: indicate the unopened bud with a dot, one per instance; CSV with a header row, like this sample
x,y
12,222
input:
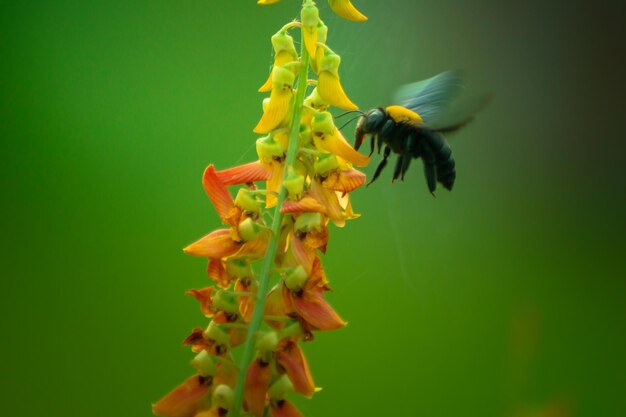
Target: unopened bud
x,y
310,15
282,78
279,388
225,302
296,278
308,221
239,268
323,123
268,149
325,164
248,229
204,363
216,333
330,62
247,201
223,397
294,183
268,342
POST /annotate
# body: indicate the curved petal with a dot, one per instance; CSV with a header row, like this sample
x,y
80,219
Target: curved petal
x,y
275,307
204,296
257,383
303,255
217,244
306,204
328,199
217,192
335,143
284,408
274,183
344,181
291,357
246,303
310,39
276,110
244,174
315,310
184,400
217,272
346,9
281,58
331,91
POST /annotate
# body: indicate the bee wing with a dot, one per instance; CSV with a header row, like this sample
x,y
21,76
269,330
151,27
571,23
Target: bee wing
x,y
430,98
460,113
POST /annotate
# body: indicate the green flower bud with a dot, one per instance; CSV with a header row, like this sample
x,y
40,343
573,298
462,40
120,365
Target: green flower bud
x,y
314,100
282,41
215,332
305,137
204,363
295,279
225,302
325,164
310,15
223,397
268,149
248,229
279,388
294,183
267,343
323,123
293,330
282,78
308,221
247,201
239,268
330,62
322,32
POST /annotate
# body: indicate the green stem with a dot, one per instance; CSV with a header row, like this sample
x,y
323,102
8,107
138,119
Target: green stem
x,y
257,315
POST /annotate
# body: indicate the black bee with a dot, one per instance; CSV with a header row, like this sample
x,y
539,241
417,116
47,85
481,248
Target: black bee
x,y
414,128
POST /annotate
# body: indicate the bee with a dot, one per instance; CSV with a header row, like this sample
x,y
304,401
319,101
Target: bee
x,y
414,127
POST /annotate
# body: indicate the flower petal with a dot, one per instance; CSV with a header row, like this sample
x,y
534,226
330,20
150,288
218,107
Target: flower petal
x,y
331,91
346,9
274,183
281,58
328,199
217,272
284,408
335,143
306,204
204,297
274,306
244,174
217,244
315,310
257,383
185,400
246,303
291,357
344,181
217,192
310,39
302,255
276,110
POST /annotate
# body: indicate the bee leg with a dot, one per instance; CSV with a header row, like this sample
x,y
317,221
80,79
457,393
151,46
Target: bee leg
x,y
398,168
381,165
430,172
406,161
373,144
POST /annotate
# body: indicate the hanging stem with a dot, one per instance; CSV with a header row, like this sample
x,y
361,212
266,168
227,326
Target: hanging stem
x,y
268,262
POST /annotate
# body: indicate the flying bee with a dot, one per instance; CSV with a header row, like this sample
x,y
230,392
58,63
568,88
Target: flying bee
x,y
414,127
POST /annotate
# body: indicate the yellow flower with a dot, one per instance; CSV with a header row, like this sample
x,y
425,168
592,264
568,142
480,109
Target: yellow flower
x,y
346,9
328,138
284,52
280,98
328,84
310,18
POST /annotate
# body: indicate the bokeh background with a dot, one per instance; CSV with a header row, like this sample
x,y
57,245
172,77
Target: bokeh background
x,y
505,297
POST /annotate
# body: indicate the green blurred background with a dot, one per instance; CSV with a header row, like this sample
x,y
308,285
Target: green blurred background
x,y
504,297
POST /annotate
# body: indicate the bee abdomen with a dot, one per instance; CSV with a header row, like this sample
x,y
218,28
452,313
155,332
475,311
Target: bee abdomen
x,y
446,167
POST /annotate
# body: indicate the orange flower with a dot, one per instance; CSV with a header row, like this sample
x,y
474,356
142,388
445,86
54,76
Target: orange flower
x,y
291,358
186,399
283,408
257,384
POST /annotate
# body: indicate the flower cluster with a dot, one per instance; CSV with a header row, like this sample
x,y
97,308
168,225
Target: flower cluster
x,y
305,172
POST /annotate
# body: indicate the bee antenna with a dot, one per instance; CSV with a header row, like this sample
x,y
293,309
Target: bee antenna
x,y
350,121
349,112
